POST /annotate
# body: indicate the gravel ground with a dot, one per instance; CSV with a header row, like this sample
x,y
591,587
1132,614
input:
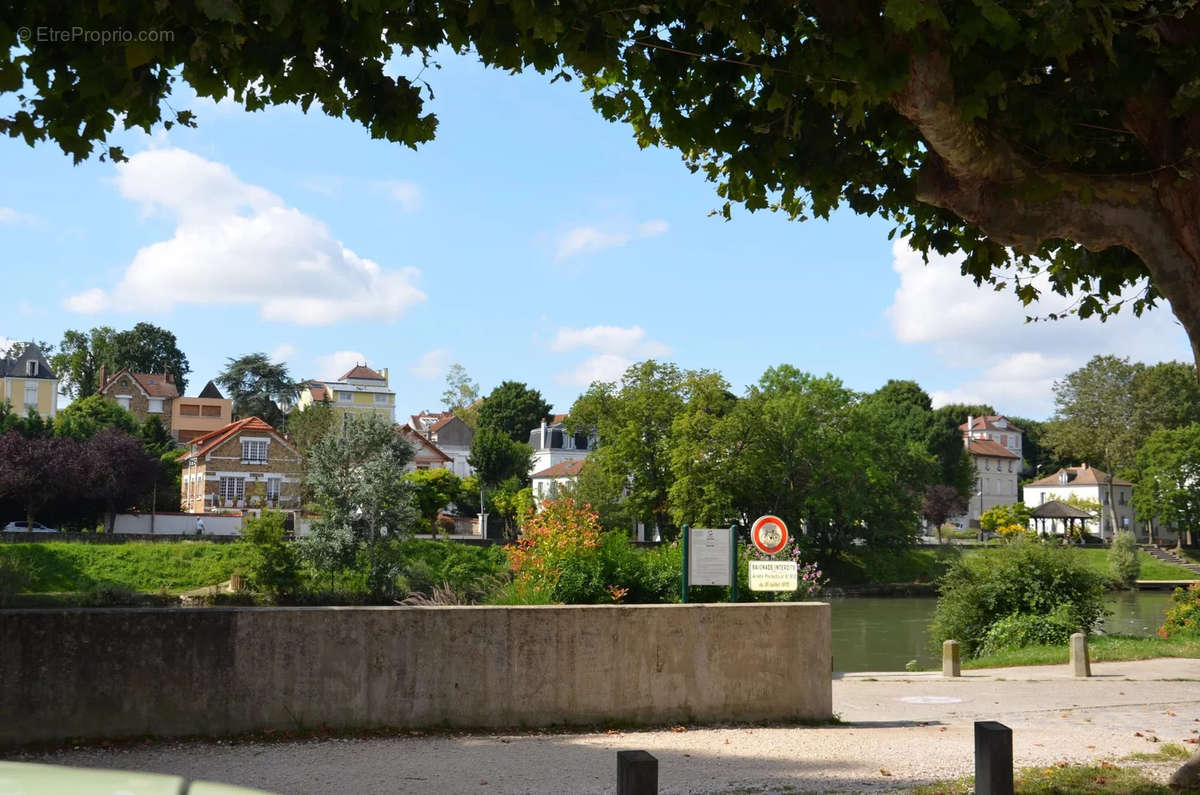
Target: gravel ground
x,y
897,730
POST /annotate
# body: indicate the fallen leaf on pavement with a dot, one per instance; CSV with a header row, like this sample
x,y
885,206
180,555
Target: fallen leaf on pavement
x,y
884,772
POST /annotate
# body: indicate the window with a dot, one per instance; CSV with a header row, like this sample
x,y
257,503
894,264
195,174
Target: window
x,y
273,489
31,396
1104,498
233,488
1121,494
1010,465
1043,498
156,406
381,398
123,401
344,397
254,451
189,410
31,369
987,464
210,411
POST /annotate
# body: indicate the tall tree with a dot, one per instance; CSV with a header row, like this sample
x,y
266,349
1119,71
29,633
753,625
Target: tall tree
x,y
79,358
632,420
147,348
1023,134
514,409
461,391
497,458
907,409
356,480
1167,488
258,387
118,473
433,490
37,471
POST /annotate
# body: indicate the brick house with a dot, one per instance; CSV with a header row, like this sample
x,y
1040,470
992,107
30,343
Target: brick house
x,y
141,394
246,464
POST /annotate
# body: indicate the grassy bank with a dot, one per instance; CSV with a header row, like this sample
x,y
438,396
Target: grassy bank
x,y
1152,568
1101,648
59,566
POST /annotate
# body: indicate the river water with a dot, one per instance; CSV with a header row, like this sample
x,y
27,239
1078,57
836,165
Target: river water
x,y
883,634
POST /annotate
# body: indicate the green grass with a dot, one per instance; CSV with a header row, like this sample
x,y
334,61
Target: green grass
x,y
1063,778
862,566
1169,752
1101,648
178,566
1152,568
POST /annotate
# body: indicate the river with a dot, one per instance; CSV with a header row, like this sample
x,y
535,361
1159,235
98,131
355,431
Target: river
x,y
883,634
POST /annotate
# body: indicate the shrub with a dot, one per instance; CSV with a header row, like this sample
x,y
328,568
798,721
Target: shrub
x,y
1124,559
109,594
1022,578
14,578
1020,630
273,563
1183,616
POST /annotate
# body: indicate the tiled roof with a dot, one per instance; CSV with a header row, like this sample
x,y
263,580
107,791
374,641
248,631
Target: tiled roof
x,y
563,469
446,419
412,436
362,371
988,423
15,366
208,441
153,384
1082,475
989,448
558,419
210,391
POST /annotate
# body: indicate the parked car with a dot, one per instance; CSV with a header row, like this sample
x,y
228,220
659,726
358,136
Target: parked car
x,y
23,527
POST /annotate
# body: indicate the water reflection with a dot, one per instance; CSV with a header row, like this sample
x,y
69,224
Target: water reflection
x,y
883,634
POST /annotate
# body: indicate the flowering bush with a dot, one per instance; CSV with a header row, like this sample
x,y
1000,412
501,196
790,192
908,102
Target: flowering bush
x,y
1183,616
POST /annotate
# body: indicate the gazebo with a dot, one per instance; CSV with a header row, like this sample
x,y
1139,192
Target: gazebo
x,y
1055,510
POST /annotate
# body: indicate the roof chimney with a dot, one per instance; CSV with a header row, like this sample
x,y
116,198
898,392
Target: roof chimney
x,y
543,446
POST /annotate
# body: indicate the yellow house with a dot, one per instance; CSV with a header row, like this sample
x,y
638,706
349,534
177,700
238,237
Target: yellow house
x,y
359,393
27,382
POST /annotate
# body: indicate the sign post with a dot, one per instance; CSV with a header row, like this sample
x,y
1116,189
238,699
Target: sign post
x,y
710,558
770,536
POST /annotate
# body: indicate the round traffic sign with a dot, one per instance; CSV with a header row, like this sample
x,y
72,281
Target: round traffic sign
x,y
769,534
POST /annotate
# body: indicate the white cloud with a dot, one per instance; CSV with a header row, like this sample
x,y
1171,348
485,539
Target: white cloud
x,y
432,364
336,364
10,216
614,349
406,194
589,238
1002,360
282,352
237,243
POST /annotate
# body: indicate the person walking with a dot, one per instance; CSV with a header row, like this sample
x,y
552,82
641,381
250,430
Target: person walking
x,y
199,525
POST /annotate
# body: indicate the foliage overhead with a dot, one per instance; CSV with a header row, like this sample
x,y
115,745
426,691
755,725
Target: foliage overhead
x,y
1054,144
145,348
83,419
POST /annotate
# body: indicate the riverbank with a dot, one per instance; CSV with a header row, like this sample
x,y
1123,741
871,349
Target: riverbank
x,y
896,731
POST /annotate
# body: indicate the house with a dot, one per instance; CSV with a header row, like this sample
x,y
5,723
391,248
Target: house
x,y
27,382
245,464
995,448
146,395
553,445
196,416
548,482
426,454
360,392
450,434
1088,483
143,395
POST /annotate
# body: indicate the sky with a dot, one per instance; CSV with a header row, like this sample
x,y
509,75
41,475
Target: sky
x,y
531,241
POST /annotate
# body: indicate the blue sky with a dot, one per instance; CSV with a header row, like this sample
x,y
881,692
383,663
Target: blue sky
x,y
532,240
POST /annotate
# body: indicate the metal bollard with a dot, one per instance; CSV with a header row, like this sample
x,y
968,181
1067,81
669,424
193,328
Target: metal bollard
x,y
637,773
993,758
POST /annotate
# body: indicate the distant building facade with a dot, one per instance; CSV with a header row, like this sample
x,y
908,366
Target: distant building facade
x,y
995,446
361,392
1088,483
244,465
27,382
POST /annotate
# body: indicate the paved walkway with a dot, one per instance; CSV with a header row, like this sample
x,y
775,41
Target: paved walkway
x,y
898,730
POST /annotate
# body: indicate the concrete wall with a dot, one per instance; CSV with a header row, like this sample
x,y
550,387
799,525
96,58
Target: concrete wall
x,y
121,673
178,523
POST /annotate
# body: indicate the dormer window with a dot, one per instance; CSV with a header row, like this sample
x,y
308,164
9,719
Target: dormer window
x,y
254,451
1062,478
31,369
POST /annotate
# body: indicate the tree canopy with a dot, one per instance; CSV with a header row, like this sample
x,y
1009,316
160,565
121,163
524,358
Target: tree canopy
x,y
1054,144
513,409
145,348
258,387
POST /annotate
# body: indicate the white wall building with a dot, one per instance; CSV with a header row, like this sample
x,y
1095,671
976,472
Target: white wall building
x,y
995,447
1088,483
553,445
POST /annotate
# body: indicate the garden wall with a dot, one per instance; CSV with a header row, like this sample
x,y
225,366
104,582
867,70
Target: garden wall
x,y
121,673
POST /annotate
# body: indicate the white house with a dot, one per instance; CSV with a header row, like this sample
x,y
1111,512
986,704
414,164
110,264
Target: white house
x,y
548,482
450,434
553,445
995,447
1088,483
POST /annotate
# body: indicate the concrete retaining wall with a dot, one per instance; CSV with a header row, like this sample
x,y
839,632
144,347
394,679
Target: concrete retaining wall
x,y
121,673
178,523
